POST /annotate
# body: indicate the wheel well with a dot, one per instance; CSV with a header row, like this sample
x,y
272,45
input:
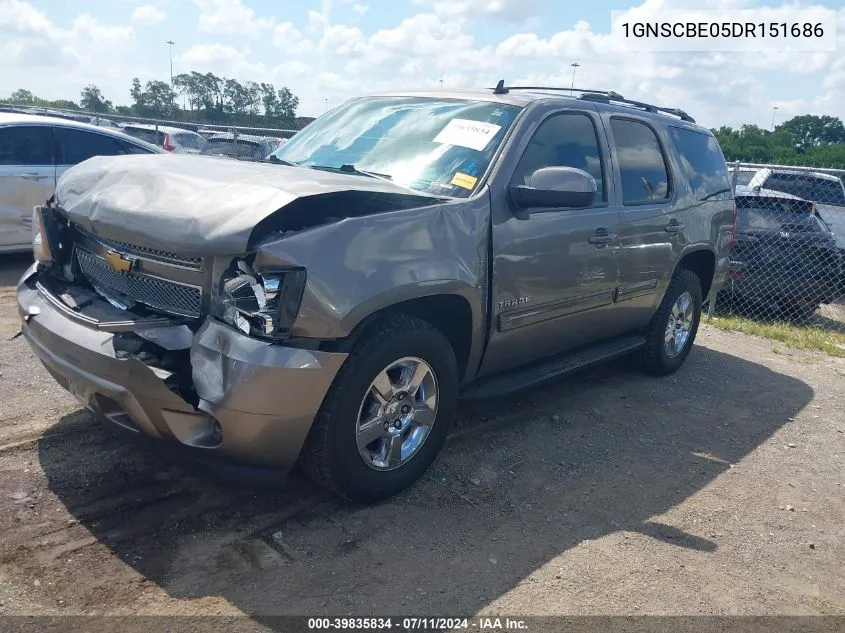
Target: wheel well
x,y
451,314
703,264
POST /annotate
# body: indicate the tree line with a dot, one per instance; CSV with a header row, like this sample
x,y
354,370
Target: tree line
x,y
205,98
813,141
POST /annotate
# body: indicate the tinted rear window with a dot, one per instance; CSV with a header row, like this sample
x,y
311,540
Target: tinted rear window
x,y
756,213
190,141
702,163
150,136
241,149
820,190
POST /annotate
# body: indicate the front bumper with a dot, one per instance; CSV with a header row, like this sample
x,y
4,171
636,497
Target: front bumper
x,y
264,397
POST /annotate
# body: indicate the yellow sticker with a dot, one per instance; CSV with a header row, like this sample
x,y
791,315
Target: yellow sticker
x,y
464,180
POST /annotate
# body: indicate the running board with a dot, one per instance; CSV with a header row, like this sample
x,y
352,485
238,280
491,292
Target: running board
x,y
530,375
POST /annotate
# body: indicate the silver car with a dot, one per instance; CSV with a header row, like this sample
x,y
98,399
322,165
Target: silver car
x,y
34,151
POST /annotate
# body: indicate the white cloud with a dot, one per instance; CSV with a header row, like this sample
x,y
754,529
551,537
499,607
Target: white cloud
x,y
318,57
473,8
343,41
360,9
231,17
286,36
222,59
148,14
317,22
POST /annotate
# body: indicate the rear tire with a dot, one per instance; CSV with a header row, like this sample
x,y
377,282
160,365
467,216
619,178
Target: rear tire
x,y
339,453
671,333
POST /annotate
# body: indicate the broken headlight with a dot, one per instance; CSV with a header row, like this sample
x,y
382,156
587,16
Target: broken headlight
x,y
262,303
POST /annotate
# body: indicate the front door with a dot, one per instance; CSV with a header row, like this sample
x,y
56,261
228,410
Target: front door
x,y
554,272
27,178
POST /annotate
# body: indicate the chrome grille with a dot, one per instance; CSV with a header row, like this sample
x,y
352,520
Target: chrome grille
x,y
155,292
145,252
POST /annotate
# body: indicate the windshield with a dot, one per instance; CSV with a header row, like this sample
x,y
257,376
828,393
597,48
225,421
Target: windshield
x,y
438,146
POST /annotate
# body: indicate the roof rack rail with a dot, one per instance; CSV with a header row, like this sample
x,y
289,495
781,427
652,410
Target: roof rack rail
x,y
639,104
502,89
597,95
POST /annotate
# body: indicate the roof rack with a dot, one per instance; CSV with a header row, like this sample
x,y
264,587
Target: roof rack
x,y
605,96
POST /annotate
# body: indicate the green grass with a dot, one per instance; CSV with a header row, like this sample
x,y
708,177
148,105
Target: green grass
x,y
794,336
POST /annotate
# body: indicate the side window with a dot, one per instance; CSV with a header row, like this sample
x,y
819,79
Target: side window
x,y
76,146
703,164
641,165
26,145
564,140
131,148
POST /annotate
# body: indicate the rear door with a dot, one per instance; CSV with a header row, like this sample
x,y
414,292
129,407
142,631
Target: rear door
x,y
27,178
651,227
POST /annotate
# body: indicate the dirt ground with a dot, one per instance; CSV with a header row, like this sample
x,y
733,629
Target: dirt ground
x,y
719,490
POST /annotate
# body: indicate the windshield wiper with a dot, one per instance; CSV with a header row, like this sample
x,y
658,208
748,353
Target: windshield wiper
x,y
351,169
272,158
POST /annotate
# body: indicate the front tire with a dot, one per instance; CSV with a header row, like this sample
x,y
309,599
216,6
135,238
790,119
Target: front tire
x,y
387,412
671,333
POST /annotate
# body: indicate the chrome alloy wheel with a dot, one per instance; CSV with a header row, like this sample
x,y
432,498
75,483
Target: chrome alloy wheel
x,y
397,413
678,327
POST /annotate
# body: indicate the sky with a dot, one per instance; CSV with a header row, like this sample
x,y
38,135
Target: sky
x,y
330,50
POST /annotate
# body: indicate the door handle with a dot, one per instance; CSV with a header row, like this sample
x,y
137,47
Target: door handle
x,y
31,176
674,227
602,237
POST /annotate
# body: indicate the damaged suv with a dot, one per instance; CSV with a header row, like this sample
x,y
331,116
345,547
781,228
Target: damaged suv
x,y
330,305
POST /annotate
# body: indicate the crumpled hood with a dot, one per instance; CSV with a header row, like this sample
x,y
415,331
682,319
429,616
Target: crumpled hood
x,y
198,205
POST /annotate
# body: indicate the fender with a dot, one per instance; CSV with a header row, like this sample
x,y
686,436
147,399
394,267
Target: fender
x,y
362,265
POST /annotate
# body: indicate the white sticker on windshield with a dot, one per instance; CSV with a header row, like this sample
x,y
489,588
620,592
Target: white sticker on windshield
x,y
467,133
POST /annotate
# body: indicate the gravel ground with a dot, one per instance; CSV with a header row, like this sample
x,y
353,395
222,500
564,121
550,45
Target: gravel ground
x,y
719,490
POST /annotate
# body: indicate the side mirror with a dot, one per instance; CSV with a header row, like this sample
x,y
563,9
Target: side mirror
x,y
555,187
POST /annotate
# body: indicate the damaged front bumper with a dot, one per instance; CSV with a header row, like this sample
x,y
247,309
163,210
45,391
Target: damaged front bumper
x,y
244,399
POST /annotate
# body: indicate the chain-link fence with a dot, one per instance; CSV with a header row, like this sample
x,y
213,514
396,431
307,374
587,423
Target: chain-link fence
x,y
195,137
788,259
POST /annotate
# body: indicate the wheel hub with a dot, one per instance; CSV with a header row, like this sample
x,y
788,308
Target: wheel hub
x,y
679,325
397,413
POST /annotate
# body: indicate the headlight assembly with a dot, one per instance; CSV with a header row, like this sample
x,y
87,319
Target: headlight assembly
x,y
260,303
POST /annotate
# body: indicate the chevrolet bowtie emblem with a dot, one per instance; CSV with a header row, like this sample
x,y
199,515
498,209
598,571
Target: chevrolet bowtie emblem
x,y
119,262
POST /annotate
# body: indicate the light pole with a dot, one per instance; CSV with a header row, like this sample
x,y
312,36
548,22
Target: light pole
x,y
774,112
441,84
327,104
170,44
574,68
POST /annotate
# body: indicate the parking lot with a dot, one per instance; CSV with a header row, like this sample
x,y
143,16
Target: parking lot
x,y
718,490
